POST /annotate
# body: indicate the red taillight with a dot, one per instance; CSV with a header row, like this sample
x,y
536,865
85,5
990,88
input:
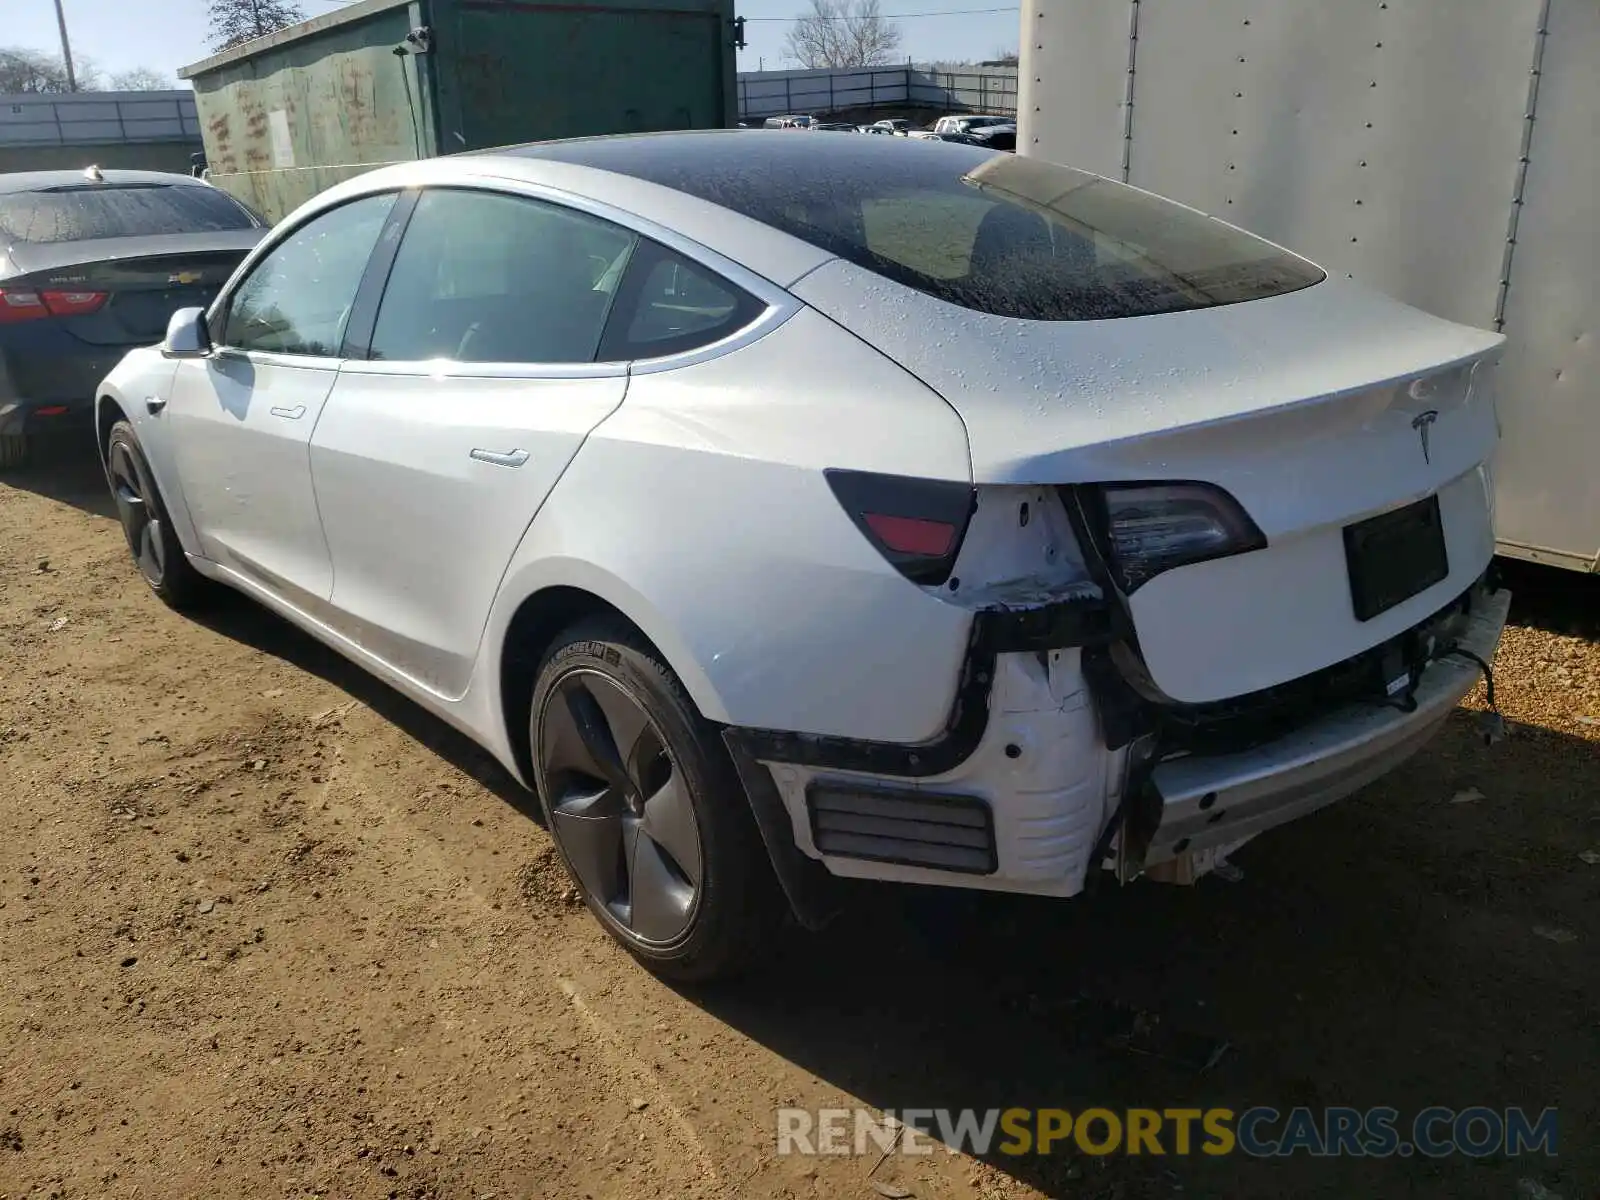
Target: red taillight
x,y
25,305
52,410
18,305
911,535
73,304
917,524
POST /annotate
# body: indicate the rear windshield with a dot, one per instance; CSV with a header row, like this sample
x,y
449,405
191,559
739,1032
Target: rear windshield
x,y
79,214
1014,237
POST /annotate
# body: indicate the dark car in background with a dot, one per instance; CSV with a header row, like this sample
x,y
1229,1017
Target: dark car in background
x,y
994,137
93,263
989,137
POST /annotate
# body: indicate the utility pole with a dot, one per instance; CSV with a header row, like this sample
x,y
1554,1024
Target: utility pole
x,y
66,48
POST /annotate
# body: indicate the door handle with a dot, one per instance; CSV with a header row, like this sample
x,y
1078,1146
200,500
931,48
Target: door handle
x,y
502,458
290,414
154,404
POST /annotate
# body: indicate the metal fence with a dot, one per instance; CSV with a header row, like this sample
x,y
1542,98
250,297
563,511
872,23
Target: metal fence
x,y
777,93
98,117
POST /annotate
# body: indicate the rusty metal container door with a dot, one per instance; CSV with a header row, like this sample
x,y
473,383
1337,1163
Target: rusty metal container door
x,y
511,71
309,107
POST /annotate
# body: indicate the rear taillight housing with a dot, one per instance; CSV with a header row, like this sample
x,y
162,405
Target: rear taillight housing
x,y
24,304
19,305
73,304
917,524
1150,528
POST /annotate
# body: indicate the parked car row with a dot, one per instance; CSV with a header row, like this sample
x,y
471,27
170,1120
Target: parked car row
x,y
973,129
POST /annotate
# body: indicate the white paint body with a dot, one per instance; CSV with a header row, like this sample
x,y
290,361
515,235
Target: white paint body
x,y
688,493
1444,152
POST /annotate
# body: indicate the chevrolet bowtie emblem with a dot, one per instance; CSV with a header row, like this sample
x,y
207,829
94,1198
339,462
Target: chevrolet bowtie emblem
x,y
184,277
1423,424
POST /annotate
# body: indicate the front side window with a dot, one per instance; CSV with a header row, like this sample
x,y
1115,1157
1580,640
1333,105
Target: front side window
x,y
297,298
490,277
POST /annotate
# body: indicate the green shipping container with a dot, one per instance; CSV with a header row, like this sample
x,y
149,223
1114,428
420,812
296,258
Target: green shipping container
x,y
385,81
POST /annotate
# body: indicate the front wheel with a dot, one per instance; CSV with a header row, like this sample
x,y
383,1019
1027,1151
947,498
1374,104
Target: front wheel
x,y
646,810
155,546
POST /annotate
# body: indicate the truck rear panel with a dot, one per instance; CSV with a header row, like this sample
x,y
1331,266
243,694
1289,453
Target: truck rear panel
x,y
1441,151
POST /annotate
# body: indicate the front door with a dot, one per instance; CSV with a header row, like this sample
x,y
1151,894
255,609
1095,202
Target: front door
x,y
242,417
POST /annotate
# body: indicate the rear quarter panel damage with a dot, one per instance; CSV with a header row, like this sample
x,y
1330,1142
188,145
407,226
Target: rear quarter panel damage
x,y
699,509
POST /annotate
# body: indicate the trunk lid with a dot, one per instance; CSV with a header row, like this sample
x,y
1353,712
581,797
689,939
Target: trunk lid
x,y
1308,408
145,279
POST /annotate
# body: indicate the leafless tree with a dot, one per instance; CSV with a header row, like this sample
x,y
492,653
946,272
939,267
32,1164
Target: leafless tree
x,y
142,79
843,33
237,21
24,71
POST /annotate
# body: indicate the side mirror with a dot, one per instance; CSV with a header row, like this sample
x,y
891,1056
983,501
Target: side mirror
x,y
187,336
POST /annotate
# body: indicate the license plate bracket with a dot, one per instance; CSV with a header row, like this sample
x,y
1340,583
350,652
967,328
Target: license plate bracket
x,y
1393,556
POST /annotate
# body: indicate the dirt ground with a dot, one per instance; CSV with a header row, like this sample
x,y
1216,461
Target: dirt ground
x,y
267,929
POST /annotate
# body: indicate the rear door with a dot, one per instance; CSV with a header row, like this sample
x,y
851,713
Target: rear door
x,y
241,419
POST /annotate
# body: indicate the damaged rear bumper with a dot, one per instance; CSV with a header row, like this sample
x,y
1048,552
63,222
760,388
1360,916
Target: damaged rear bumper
x,y
1219,800
1051,768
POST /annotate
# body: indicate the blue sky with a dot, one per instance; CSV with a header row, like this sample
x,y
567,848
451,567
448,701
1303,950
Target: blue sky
x,y
165,34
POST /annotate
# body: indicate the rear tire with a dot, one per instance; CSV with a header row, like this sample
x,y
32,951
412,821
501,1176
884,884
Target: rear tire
x,y
14,451
155,547
646,810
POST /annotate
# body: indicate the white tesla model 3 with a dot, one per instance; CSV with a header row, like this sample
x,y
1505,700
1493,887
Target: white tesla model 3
x,y
791,508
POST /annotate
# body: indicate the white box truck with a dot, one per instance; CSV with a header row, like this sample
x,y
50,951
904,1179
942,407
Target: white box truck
x,y
1444,151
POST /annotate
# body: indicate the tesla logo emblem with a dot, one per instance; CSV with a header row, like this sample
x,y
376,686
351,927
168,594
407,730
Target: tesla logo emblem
x,y
1423,424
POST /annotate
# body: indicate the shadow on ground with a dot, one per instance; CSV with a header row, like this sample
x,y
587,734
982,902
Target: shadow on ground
x,y
66,469
1553,599
242,620
1385,952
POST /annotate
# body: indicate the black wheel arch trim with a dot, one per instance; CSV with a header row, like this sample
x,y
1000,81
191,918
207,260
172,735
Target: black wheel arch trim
x,y
810,888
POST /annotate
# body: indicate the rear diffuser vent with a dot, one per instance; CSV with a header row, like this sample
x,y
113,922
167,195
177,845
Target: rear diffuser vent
x,y
917,829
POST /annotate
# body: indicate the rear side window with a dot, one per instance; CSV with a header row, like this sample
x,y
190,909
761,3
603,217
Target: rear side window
x,y
489,277
78,214
670,305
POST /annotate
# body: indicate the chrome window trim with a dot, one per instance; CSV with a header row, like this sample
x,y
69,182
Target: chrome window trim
x,y
277,358
449,368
